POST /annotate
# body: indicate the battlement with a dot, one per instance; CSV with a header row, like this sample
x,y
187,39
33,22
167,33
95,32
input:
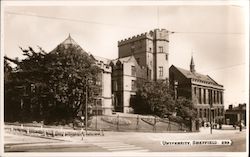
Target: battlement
x,y
134,38
149,35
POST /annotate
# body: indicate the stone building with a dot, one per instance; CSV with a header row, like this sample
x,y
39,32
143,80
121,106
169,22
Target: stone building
x,y
201,89
103,104
125,74
144,56
234,115
150,50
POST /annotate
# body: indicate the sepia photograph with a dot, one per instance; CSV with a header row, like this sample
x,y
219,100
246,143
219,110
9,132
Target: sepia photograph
x,y
124,78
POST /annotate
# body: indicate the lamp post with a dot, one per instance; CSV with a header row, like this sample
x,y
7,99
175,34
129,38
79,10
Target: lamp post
x,y
86,106
82,118
96,115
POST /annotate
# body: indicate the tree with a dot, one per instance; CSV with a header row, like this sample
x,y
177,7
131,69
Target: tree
x,y
153,97
57,81
185,109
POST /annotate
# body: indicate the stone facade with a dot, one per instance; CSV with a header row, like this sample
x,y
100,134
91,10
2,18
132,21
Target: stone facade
x,y
104,102
235,115
144,56
126,72
150,50
201,89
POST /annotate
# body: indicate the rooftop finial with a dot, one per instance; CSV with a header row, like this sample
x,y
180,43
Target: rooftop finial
x,y
192,66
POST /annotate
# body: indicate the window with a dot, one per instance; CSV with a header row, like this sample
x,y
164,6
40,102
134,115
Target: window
x,y
133,72
214,97
133,85
205,113
114,85
150,49
199,95
200,113
218,97
204,96
160,71
119,84
149,73
160,49
221,98
166,56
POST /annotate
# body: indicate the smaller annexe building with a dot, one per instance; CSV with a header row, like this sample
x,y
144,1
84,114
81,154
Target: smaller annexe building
x,y
201,89
234,115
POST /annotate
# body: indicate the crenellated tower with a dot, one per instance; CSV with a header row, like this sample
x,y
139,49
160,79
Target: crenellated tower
x,y
151,50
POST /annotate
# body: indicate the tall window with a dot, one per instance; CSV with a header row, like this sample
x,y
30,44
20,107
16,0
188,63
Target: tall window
x,y
199,95
133,72
218,97
160,71
204,96
149,73
133,85
221,98
205,113
114,85
160,49
214,97
194,90
200,113
166,56
119,84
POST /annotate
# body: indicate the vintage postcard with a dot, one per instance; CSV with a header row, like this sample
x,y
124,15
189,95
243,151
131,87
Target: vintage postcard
x,y
124,78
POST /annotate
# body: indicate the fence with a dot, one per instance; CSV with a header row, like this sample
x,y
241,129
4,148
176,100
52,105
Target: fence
x,y
136,123
100,123
49,132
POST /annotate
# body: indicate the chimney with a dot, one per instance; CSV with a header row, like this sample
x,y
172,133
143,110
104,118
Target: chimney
x,y
230,107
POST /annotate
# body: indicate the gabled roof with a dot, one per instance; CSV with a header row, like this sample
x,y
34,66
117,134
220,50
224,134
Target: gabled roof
x,y
102,59
194,75
124,59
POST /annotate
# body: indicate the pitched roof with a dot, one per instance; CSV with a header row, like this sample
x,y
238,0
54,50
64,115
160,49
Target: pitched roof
x,y
69,40
102,59
195,75
123,60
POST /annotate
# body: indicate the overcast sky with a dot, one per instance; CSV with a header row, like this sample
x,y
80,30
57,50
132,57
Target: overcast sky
x,y
215,34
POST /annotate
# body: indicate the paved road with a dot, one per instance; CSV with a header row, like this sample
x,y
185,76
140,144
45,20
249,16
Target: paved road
x,y
128,142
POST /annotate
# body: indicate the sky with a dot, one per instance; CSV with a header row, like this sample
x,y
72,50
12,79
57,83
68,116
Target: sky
x,y
215,35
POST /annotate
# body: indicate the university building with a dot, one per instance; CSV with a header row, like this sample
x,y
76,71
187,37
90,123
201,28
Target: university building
x,y
103,102
144,56
201,89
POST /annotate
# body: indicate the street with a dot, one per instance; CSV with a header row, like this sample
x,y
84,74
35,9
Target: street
x,y
128,142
